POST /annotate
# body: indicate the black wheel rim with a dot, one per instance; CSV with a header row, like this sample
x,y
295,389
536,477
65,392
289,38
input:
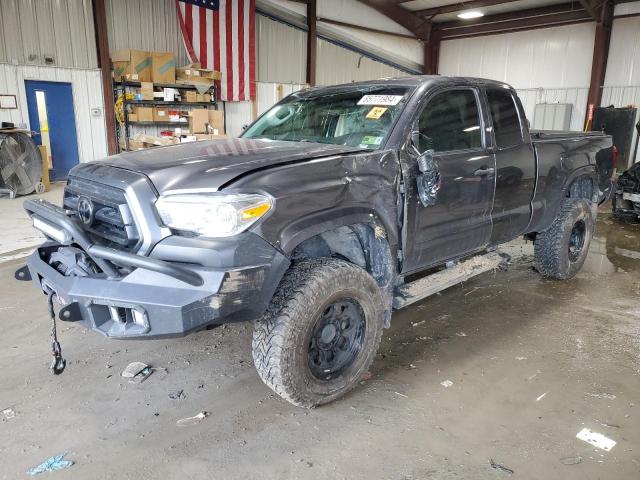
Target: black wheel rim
x,y
576,240
336,339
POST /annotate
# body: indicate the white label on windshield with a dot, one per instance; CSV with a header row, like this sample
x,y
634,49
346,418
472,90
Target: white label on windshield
x,y
380,100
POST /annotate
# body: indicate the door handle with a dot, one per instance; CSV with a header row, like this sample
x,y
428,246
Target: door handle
x,y
484,171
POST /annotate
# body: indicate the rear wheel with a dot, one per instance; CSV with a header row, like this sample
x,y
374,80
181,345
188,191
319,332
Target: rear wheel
x,y
320,333
560,251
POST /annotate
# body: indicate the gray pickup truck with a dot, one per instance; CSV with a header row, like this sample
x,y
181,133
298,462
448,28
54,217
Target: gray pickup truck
x,y
314,221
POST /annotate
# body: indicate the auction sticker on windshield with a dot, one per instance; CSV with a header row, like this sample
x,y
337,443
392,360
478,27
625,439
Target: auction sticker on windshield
x,y
371,140
376,112
380,100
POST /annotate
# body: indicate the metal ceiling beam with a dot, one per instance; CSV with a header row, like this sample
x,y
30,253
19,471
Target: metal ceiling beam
x,y
420,27
515,21
593,8
457,7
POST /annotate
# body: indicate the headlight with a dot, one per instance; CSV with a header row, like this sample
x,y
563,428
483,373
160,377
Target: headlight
x,y
212,214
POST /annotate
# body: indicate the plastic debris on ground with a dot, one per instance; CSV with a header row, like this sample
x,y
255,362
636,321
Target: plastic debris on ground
x,y
51,464
571,460
596,439
185,422
9,413
177,395
446,383
501,468
137,372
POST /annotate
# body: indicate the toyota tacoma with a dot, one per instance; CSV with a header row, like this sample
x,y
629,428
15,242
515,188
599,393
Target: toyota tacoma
x,y
335,207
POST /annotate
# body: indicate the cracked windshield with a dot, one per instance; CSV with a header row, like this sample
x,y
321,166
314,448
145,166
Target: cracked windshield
x,y
355,117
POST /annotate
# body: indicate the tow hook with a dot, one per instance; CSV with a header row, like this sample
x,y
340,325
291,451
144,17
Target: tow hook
x,y
58,363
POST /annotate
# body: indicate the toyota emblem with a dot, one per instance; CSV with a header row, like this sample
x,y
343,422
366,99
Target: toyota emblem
x,y
85,211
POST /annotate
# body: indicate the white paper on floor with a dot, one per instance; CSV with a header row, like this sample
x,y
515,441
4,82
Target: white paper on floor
x,y
596,439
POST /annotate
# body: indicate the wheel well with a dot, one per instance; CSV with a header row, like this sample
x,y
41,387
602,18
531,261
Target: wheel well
x,y
581,187
362,244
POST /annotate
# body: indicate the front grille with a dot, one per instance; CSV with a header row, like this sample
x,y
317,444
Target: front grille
x,y
110,219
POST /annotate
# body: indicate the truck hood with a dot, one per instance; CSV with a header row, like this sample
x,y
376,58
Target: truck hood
x,y
212,164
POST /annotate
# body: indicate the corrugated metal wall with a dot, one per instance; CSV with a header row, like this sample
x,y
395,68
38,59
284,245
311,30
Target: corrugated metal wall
x,y
577,96
337,65
558,57
145,25
545,66
87,94
33,29
281,52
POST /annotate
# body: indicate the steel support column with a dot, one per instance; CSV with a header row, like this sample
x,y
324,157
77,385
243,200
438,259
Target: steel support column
x,y
102,45
312,41
600,55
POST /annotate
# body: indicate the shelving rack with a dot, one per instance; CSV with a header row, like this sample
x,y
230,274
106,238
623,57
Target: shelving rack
x,y
122,130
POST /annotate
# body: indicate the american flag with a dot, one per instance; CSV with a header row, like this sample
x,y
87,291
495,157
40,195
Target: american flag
x,y
220,35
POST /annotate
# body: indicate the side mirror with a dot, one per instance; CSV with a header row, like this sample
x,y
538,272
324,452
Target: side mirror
x,y
429,180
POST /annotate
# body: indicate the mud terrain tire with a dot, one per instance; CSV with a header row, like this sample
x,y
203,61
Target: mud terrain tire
x,y
318,301
560,251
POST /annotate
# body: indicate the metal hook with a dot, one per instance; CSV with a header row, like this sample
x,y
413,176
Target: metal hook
x,y
58,363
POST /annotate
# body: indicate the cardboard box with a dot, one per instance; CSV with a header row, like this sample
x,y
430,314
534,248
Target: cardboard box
x,y
192,74
134,65
145,114
160,114
133,116
146,90
191,96
216,120
203,97
198,120
163,67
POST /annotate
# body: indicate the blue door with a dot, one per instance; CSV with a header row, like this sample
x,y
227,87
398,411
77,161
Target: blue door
x,y
51,114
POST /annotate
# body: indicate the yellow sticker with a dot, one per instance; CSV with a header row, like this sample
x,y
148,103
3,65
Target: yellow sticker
x,y
376,112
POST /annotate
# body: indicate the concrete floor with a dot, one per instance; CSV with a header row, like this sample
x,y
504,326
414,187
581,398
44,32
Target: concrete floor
x,y
532,362
18,237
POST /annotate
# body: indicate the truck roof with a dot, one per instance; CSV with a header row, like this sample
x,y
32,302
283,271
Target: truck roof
x,y
408,81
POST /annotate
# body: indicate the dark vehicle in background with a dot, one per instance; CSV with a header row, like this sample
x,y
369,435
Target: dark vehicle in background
x,y
626,200
314,221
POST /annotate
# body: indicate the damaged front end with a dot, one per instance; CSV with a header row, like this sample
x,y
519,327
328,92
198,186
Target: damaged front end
x,y
626,201
126,295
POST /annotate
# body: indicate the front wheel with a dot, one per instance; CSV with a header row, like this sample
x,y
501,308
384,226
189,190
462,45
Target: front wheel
x,y
320,333
560,251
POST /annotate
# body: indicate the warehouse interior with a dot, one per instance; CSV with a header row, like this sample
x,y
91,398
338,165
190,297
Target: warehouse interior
x,y
499,375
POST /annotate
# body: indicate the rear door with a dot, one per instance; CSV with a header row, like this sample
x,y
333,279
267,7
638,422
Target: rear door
x,y
515,165
450,123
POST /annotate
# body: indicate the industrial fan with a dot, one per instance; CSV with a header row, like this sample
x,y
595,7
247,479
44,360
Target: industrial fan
x,y
20,164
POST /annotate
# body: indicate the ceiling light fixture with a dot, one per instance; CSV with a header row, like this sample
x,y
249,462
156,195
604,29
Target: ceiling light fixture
x,y
470,14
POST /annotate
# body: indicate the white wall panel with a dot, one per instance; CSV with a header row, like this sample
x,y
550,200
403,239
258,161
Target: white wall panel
x,y
62,29
623,65
337,65
145,25
558,57
87,94
281,52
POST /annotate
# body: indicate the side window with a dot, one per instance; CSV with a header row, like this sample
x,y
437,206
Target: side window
x,y
450,121
504,115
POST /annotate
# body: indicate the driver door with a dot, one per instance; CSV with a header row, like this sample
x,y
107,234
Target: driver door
x,y
456,220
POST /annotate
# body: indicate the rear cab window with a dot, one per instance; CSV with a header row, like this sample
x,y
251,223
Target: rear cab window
x,y
507,129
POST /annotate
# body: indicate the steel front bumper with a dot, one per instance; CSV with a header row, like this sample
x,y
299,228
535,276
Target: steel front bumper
x,y
165,294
